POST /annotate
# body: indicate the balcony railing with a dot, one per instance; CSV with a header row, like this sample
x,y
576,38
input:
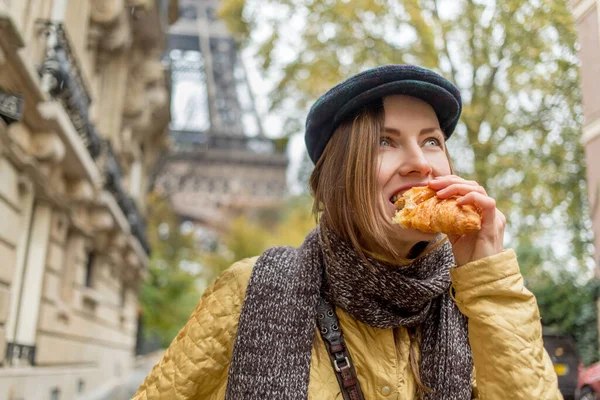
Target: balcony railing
x,y
61,77
20,354
11,107
113,183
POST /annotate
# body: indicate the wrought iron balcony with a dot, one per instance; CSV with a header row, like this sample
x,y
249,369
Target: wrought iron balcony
x,y
113,183
11,107
61,77
19,354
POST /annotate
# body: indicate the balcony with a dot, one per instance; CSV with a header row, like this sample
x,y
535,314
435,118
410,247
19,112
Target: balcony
x,y
20,354
113,184
11,107
61,78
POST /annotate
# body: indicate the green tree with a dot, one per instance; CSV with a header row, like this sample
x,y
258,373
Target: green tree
x,y
250,235
169,293
569,307
514,61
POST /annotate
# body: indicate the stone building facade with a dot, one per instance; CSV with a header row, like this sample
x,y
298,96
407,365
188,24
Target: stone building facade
x,y
587,16
84,107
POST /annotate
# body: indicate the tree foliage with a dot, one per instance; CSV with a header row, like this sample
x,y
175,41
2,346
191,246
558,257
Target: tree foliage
x,y
169,292
250,235
569,307
178,268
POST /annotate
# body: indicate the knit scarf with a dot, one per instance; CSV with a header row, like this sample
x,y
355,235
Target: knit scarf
x,y
272,349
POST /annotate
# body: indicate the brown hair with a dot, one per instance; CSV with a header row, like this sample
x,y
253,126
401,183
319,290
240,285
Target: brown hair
x,y
344,183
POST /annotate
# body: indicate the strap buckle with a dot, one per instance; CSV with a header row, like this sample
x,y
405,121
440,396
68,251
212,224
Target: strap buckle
x,y
337,367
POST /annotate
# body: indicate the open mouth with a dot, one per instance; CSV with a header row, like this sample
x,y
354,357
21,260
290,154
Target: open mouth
x,y
398,201
398,195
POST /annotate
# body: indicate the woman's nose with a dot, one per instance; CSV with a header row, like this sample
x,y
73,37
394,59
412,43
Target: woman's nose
x,y
414,162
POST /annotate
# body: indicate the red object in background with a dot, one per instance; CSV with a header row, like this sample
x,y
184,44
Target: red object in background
x,y
588,385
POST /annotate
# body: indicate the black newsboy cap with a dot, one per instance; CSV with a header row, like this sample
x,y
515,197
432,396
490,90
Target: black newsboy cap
x,y
347,97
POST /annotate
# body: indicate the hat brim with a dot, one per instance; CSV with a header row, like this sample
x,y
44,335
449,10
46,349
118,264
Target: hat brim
x,y
442,101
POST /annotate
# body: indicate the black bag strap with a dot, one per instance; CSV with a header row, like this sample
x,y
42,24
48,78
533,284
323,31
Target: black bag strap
x,y
329,326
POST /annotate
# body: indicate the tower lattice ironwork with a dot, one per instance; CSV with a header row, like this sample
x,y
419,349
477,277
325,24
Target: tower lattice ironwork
x,y
221,163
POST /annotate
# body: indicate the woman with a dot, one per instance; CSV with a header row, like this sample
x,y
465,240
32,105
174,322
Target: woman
x,y
364,308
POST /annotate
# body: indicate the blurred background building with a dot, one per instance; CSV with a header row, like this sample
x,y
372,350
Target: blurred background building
x,y
221,164
587,15
84,106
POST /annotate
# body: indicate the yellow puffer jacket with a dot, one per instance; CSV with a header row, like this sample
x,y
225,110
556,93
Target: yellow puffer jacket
x,y
504,331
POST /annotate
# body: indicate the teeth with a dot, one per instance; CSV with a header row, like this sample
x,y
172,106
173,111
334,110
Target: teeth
x,y
394,198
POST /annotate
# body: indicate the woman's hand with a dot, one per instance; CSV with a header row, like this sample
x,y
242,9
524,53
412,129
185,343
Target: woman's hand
x,y
484,243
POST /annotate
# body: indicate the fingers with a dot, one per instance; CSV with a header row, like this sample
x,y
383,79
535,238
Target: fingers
x,y
441,182
501,218
452,185
490,216
478,199
460,189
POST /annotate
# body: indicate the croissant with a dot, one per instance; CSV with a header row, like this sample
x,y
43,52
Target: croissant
x,y
419,208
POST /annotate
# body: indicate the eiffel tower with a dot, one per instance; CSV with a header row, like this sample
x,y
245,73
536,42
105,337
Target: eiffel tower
x,y
221,163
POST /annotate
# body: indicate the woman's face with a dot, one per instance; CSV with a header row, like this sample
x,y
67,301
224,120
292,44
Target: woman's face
x,y
411,153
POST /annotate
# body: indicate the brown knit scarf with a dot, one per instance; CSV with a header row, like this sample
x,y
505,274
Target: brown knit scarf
x,y
272,350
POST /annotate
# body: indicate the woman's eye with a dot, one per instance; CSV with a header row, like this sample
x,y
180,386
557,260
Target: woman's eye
x,y
432,142
384,142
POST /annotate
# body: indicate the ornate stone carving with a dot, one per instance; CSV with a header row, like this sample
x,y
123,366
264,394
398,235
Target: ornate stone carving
x,y
61,78
134,98
47,147
147,103
117,37
132,259
11,107
106,11
56,177
79,218
101,243
102,220
21,135
81,191
119,240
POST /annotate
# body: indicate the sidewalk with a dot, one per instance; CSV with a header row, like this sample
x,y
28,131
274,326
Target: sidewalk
x,y
125,388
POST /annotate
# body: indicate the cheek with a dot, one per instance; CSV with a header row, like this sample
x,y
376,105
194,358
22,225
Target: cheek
x,y
385,170
440,164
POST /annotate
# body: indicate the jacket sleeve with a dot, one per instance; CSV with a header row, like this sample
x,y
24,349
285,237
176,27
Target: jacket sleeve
x,y
196,363
505,331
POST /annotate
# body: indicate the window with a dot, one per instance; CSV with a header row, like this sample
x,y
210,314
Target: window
x,y
89,269
55,394
80,385
211,14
